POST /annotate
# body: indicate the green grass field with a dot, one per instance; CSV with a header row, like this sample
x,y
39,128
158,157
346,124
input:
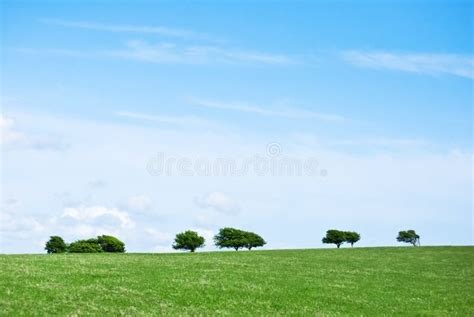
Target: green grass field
x,y
324,282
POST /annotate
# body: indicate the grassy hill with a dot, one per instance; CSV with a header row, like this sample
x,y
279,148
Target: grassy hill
x,y
324,282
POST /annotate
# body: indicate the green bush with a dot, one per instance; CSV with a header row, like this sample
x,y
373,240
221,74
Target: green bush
x,y
85,246
111,244
237,239
188,240
56,244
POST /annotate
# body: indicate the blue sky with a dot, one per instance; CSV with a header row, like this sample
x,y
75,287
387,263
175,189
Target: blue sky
x,y
380,93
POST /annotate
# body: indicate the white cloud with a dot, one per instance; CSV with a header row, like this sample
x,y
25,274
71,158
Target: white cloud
x,y
159,237
19,224
8,132
219,202
207,234
92,213
291,113
139,202
161,241
11,137
422,63
83,231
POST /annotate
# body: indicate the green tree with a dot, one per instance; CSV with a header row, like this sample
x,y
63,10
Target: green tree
x,y
111,244
230,238
56,244
409,236
352,237
85,246
188,240
253,240
336,237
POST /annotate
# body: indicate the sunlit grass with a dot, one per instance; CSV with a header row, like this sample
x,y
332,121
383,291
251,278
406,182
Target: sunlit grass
x,y
360,281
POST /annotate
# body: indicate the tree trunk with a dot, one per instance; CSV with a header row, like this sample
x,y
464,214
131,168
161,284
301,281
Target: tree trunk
x,y
338,245
352,244
192,250
236,248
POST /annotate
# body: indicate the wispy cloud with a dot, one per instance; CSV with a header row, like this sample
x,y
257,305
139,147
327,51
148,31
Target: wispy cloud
x,y
127,28
290,113
13,138
219,202
165,53
186,121
171,53
422,63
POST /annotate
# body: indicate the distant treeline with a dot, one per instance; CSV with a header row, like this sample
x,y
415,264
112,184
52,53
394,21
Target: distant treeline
x,y
190,240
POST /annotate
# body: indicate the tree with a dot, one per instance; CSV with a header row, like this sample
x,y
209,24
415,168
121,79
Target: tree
x,y
230,238
85,246
253,240
352,237
335,236
409,236
56,244
111,244
188,240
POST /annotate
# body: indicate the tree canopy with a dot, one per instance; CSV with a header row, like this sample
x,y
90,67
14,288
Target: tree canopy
x,y
409,236
188,240
352,237
102,243
253,240
111,244
56,244
85,246
334,236
238,239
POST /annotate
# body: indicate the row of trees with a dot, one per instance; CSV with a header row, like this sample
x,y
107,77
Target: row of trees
x,y
338,237
226,238
102,243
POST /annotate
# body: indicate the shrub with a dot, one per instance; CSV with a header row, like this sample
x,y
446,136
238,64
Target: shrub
x,y
85,246
188,240
56,244
110,244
